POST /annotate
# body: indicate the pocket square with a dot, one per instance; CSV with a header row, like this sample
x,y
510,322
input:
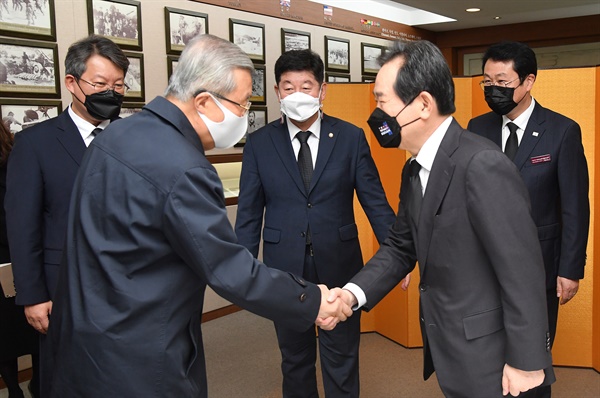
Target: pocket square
x,y
541,159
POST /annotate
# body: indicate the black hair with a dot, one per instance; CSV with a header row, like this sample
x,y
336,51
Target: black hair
x,y
297,61
522,56
80,51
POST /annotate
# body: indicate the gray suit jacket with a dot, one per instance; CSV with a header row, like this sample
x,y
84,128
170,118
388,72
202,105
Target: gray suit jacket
x,y
482,294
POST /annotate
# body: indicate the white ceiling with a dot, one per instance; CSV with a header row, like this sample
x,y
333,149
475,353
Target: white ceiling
x,y
510,11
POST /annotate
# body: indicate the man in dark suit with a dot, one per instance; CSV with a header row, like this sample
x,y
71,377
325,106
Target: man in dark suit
x,y
42,168
548,152
482,301
309,226
148,230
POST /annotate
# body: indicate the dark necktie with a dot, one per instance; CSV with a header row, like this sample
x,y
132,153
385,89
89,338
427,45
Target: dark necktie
x,y
96,131
416,190
512,143
305,158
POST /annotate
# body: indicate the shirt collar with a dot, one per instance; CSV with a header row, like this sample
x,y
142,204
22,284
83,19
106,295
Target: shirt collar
x,y
521,120
85,128
427,153
315,128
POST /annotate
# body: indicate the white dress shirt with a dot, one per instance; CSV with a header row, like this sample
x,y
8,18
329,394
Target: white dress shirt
x,y
85,128
313,139
521,122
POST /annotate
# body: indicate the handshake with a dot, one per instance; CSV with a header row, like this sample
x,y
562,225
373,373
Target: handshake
x,y
336,306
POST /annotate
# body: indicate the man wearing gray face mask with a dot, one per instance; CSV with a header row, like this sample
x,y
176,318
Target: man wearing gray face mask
x,y
302,172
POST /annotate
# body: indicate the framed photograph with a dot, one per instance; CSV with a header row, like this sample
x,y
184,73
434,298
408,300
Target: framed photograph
x,y
130,108
331,77
337,54
257,118
368,79
171,64
250,37
20,114
28,19
119,20
28,68
294,40
135,77
259,89
369,54
181,26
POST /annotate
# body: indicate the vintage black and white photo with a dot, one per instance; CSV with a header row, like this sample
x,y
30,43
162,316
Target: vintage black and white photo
x,y
182,26
294,40
134,79
18,115
31,19
119,20
369,55
250,37
257,118
259,92
171,64
337,54
331,77
28,67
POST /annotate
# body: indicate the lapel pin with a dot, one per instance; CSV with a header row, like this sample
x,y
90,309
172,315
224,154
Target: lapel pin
x,y
535,134
330,135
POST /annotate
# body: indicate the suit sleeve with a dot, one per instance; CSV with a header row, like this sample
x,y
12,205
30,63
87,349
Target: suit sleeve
x,y
370,192
251,202
498,208
573,182
24,218
197,227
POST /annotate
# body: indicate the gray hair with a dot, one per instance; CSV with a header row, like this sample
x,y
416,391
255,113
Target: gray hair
x,y
207,63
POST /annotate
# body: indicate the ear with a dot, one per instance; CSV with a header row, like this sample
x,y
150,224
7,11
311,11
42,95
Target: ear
x,y
323,91
276,88
70,83
201,102
528,82
427,104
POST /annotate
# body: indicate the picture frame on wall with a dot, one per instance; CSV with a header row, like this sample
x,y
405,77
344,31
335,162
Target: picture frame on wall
x,y
250,37
19,114
332,77
369,53
172,61
118,20
257,118
29,68
130,108
135,77
259,89
35,20
337,54
294,40
368,79
181,26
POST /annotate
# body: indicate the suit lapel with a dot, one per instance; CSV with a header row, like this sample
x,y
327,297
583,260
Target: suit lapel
x,y
329,135
69,137
533,133
283,145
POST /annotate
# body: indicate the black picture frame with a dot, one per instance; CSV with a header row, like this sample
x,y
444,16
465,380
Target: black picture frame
x,y
135,78
172,61
102,15
18,114
257,118
332,77
29,68
259,85
337,54
369,53
368,79
130,108
38,23
181,26
250,37
294,40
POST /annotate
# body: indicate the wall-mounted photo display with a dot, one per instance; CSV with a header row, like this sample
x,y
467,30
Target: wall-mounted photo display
x,y
30,19
18,114
337,54
257,118
250,37
134,79
259,89
119,20
368,79
130,108
332,77
171,64
181,26
369,54
294,40
28,68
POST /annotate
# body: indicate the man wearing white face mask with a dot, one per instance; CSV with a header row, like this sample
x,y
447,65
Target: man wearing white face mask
x,y
301,172
148,230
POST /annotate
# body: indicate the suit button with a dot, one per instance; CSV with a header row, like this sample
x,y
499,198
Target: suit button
x,y
303,297
423,287
309,205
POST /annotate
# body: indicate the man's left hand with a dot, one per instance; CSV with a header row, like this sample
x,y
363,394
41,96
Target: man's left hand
x,y
566,289
516,381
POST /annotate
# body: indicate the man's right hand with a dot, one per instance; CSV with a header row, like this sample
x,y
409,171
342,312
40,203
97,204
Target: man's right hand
x,y
38,316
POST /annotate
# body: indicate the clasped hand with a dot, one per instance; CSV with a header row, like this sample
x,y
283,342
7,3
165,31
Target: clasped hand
x,y
334,308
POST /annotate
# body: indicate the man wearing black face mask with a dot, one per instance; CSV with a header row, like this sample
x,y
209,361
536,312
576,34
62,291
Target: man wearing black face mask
x,y
42,169
548,151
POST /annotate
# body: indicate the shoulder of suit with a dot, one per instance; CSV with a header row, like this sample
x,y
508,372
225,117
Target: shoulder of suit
x,y
42,129
339,123
554,117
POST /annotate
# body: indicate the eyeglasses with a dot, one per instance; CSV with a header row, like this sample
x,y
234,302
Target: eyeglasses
x,y
101,87
245,107
488,83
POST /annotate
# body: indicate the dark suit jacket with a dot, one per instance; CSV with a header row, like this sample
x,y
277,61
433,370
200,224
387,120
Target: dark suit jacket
x,y
147,231
482,294
41,170
553,166
271,184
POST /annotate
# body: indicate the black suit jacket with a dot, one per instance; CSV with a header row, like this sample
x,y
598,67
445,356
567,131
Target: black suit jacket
x,y
553,165
41,170
482,295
